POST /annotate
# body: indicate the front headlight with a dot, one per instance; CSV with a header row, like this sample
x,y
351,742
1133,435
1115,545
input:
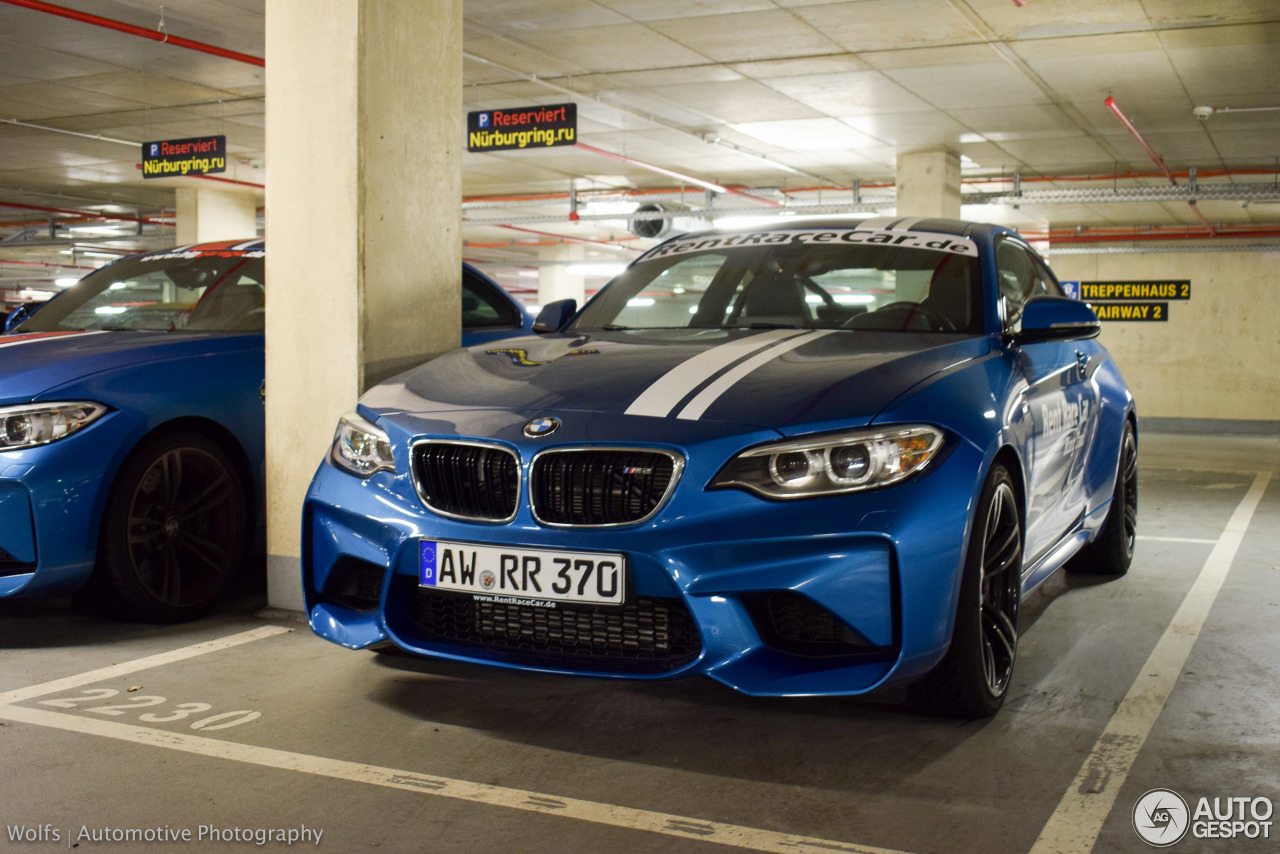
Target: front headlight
x,y
360,447
832,464
34,424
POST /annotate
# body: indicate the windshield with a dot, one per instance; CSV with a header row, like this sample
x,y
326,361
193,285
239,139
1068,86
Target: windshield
x,y
215,291
838,279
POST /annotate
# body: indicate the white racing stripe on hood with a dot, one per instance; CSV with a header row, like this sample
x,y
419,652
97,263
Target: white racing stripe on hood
x,y
716,390
666,393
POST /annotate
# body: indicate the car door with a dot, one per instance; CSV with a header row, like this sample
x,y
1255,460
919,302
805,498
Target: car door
x,y
1059,403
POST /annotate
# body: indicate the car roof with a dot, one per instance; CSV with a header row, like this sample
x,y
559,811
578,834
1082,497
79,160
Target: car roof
x,y
256,244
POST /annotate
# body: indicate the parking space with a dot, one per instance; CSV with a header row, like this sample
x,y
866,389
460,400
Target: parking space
x,y
236,722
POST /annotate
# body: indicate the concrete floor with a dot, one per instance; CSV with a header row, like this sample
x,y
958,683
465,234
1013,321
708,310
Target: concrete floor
x,y
385,753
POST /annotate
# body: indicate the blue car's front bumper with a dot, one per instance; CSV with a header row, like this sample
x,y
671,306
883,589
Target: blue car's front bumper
x,y
836,595
51,500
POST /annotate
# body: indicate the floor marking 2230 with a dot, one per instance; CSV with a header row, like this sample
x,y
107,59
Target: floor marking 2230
x,y
750,838
181,711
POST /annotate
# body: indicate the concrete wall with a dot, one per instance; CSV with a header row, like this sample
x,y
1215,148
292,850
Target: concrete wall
x,y
1218,355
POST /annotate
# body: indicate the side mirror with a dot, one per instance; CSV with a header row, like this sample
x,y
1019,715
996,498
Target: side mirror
x,y
1047,318
555,316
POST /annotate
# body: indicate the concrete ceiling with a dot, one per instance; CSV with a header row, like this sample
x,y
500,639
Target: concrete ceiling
x,y
799,100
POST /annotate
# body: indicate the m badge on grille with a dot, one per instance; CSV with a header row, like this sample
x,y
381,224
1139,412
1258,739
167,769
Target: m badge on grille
x,y
540,427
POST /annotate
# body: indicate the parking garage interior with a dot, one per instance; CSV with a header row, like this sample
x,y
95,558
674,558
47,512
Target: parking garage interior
x,y
1133,143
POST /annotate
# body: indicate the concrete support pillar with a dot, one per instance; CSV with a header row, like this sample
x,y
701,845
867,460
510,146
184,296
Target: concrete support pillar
x,y
554,279
206,214
929,184
364,253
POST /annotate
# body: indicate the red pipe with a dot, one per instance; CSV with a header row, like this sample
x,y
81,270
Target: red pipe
x,y
1159,161
563,239
44,264
121,27
87,214
1151,152
1143,237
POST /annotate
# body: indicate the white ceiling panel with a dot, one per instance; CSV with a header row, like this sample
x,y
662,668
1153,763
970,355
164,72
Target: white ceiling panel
x,y
868,25
1061,20
819,134
748,36
736,101
621,47
962,87
910,131
657,10
802,66
851,94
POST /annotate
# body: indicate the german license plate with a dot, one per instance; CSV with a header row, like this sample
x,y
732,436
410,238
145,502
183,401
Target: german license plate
x,y
533,576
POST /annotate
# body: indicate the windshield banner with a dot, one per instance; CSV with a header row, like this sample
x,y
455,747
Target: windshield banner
x,y
948,243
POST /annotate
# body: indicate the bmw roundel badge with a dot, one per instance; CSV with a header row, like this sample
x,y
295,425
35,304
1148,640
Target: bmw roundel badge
x,y
539,427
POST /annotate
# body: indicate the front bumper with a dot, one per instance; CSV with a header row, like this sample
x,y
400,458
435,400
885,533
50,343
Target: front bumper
x,y
51,500
837,595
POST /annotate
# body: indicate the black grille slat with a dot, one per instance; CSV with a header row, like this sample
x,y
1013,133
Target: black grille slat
x,y
472,481
599,487
650,635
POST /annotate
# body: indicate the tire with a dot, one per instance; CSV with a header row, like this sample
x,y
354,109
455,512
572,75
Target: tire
x,y
1111,551
972,679
175,530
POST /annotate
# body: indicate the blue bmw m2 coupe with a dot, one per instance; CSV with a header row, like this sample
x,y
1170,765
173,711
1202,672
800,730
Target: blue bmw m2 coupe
x,y
820,458
131,427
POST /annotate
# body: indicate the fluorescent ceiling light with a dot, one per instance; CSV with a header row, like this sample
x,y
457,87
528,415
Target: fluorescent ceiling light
x,y
102,230
606,207
750,221
65,282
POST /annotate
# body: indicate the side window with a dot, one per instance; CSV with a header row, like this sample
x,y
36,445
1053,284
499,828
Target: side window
x,y
484,309
1021,276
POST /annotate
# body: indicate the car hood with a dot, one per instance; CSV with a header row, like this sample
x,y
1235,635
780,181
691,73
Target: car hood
x,y
778,379
32,364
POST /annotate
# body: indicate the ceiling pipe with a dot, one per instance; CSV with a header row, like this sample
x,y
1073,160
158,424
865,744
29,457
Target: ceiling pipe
x,y
88,214
1159,161
159,35
1133,131
1147,237
679,176
563,239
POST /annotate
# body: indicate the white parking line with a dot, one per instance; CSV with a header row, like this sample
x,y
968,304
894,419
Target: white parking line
x,y
1075,824
150,661
1192,540
750,838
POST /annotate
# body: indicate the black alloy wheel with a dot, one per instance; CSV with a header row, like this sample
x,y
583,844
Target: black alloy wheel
x,y
175,531
1111,551
974,676
1001,584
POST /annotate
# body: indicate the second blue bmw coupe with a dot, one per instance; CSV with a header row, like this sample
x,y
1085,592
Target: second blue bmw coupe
x,y
820,458
131,427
